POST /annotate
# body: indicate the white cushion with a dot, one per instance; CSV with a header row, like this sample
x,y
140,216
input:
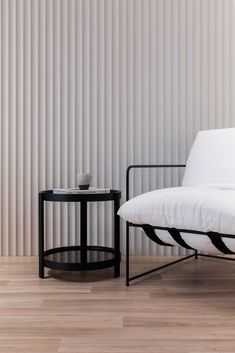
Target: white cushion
x,y
211,162
190,208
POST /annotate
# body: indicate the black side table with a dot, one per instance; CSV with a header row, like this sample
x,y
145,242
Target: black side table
x,y
80,257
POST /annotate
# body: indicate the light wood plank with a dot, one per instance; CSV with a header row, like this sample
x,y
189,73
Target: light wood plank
x,y
189,308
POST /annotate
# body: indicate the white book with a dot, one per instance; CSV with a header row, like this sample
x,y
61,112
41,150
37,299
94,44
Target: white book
x,y
91,190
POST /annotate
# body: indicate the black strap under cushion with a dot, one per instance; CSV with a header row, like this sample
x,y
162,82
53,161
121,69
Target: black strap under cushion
x,y
177,237
149,231
218,242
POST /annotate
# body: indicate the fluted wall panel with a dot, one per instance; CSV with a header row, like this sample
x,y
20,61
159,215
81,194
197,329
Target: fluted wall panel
x,y
95,85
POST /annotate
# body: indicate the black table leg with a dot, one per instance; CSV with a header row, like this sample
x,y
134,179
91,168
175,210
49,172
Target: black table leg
x,y
41,236
83,214
117,238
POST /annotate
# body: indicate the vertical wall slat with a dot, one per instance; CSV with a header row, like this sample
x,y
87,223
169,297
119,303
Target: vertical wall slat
x,y
145,70
160,90
79,104
56,118
86,82
130,97
5,129
101,113
49,116
175,94
218,61
226,49
71,117
93,115
12,126
19,128
232,60
212,66
27,129
34,125
153,100
123,139
64,115
108,110
204,65
189,72
137,126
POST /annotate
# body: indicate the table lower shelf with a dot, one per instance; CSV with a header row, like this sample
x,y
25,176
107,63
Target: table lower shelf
x,y
76,258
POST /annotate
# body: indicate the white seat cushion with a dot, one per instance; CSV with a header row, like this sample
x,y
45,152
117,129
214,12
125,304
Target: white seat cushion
x,y
190,208
211,162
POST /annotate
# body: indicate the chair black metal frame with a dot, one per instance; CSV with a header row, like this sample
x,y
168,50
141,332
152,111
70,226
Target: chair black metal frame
x,y
216,238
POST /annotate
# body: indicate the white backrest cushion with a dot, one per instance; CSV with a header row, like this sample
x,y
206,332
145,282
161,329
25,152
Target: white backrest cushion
x,y
211,161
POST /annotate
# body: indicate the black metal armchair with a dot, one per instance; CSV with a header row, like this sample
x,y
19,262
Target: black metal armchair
x,y
222,241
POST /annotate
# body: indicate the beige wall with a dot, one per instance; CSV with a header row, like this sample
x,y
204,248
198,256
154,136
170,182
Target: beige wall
x,y
96,85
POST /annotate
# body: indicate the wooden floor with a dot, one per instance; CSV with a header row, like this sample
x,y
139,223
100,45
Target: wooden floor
x,y
189,308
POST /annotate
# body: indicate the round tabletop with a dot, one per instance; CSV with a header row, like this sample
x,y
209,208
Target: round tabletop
x,y
49,195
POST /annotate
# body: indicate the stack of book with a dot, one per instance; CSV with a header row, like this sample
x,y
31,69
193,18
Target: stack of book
x,y
91,190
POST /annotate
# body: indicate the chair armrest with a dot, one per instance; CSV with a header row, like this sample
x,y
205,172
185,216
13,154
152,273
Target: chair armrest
x,y
142,166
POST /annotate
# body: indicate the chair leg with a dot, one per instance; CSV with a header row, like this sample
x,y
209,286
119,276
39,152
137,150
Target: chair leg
x,y
158,268
196,255
127,255
218,257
